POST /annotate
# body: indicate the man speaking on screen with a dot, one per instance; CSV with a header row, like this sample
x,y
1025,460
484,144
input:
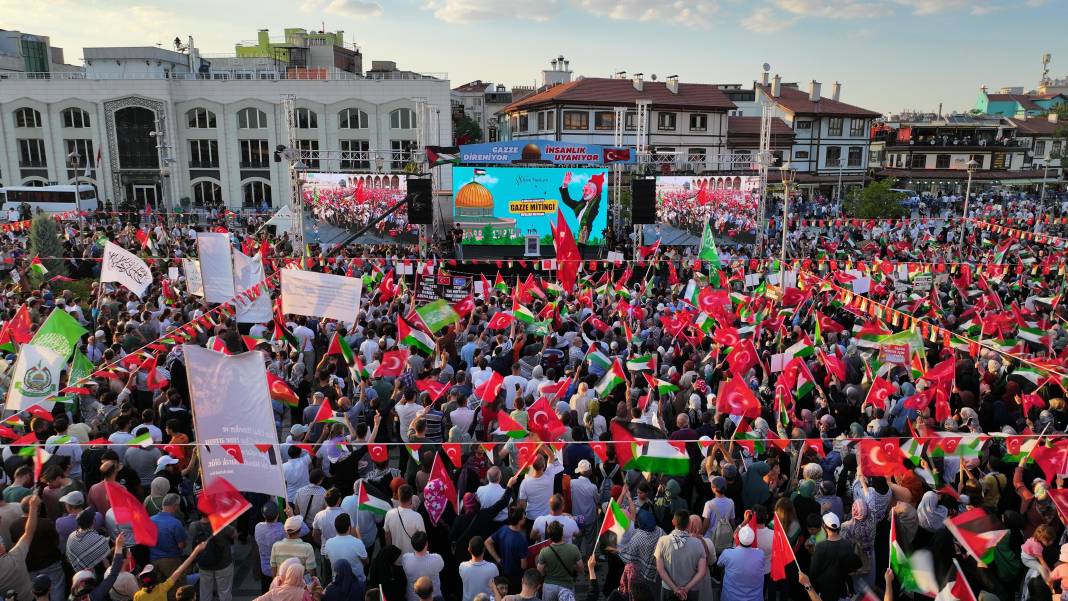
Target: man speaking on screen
x,y
587,206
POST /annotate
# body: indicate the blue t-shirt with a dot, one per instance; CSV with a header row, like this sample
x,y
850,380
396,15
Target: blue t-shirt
x,y
171,538
743,577
512,547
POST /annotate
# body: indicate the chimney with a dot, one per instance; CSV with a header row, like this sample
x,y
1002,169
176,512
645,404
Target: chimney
x,y
776,86
814,91
673,84
764,78
836,91
1052,117
638,85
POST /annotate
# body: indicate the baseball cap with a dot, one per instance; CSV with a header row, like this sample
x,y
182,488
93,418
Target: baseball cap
x,y
831,521
164,461
293,523
584,467
80,577
74,497
746,536
41,584
298,429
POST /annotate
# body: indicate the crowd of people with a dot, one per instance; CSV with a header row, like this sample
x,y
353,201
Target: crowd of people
x,y
500,461
356,207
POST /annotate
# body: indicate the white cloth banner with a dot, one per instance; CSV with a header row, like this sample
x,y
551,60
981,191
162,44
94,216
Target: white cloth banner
x,y
193,283
321,295
216,266
284,220
36,376
248,271
124,267
232,412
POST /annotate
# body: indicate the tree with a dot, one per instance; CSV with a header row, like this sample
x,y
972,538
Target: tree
x,y
875,201
466,130
44,242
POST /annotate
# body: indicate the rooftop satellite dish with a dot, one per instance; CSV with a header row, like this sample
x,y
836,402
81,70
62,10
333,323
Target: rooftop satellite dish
x,y
767,67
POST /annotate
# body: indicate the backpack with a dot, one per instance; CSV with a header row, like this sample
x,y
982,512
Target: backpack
x,y
722,533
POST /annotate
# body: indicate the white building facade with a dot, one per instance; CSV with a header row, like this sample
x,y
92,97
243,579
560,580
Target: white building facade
x,y
163,127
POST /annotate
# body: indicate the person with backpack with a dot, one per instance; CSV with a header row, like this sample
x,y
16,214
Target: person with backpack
x,y
216,562
718,516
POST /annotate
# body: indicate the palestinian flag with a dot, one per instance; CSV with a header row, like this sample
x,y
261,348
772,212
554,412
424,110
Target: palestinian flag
x,y
282,334
912,449
957,587
662,386
598,358
442,155
325,415
612,378
413,337
977,532
413,451
369,502
145,438
956,445
801,348
523,314
643,363
798,377
645,448
338,346
615,521
358,371
509,427
915,572
1018,447
37,266
499,285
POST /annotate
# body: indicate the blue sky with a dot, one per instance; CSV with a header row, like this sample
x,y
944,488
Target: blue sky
x,y
889,55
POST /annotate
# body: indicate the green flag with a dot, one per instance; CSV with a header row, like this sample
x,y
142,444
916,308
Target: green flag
x,y
80,368
60,333
708,247
437,314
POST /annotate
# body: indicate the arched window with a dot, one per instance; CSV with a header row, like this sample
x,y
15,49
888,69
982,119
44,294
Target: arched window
x,y
254,193
402,119
75,118
201,118
251,118
27,117
352,119
207,193
305,118
394,182
34,183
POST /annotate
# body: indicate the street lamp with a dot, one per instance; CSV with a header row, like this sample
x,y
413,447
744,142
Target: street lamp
x,y
787,175
838,190
972,165
74,160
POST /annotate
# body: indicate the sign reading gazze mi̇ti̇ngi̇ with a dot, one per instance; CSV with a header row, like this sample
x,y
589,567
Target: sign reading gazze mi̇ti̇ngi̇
x,y
502,205
543,152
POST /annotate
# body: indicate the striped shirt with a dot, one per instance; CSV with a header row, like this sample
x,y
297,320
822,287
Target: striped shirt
x,y
293,547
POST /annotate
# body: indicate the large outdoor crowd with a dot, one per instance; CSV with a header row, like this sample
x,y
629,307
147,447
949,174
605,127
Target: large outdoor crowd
x,y
531,521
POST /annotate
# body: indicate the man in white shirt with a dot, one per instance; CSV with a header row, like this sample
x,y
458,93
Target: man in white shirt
x,y
556,514
477,574
369,347
491,492
346,546
510,382
585,497
403,522
535,490
296,472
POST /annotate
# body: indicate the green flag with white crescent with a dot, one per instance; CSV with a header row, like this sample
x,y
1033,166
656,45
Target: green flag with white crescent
x,y
708,247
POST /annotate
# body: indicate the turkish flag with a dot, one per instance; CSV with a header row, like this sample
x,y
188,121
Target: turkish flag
x,y
392,364
379,452
222,503
128,510
464,306
527,451
542,421
616,155
726,337
488,390
433,387
880,456
710,300
742,357
500,320
880,391
39,412
735,398
234,450
567,253
454,452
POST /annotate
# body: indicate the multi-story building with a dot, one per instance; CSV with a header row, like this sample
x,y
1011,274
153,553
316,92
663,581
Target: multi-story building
x,y
300,49
28,53
172,127
480,101
931,153
1014,102
685,123
830,145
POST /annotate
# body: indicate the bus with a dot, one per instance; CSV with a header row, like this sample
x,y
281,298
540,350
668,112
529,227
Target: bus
x,y
49,199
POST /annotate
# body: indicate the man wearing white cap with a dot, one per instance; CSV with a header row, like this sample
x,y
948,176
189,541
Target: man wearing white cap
x,y
584,500
292,546
743,569
73,502
833,560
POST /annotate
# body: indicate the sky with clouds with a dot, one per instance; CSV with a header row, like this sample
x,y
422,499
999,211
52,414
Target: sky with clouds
x,y
889,54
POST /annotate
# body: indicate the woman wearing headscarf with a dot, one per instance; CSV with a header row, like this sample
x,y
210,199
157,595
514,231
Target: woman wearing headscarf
x,y
289,584
931,518
345,585
667,503
1035,504
637,548
697,532
860,529
385,575
804,501
158,489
